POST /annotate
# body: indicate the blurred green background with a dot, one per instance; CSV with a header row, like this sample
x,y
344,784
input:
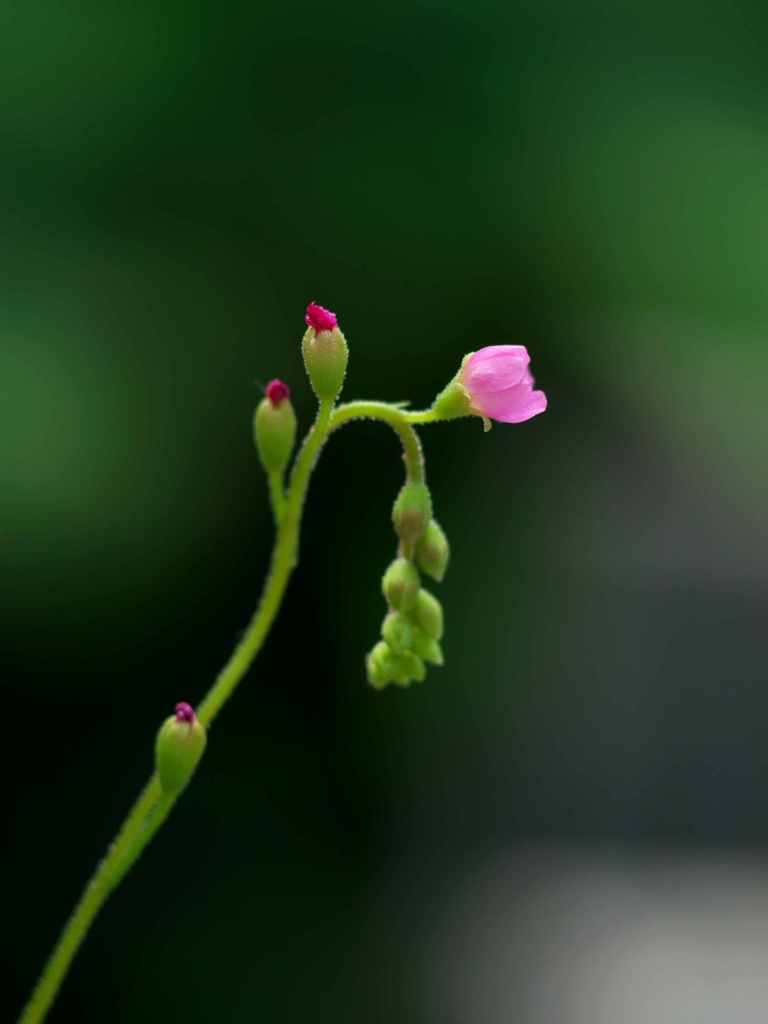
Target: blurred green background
x,y
178,180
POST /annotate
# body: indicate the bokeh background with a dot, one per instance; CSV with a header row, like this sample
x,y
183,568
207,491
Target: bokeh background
x,y
568,822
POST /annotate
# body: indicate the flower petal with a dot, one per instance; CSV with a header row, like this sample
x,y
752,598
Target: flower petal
x,y
514,405
495,368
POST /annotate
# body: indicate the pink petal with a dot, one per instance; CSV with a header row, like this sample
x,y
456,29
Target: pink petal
x,y
514,405
495,374
495,368
498,350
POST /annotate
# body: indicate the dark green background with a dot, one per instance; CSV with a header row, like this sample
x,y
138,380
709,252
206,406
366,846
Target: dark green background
x,y
588,179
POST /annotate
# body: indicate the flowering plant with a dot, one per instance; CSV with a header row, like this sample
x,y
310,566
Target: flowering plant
x,y
493,383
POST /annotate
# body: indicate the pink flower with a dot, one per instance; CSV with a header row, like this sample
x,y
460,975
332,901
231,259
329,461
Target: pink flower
x,y
277,392
320,318
499,385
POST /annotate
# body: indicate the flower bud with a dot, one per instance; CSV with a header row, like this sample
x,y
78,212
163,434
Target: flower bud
x,y
178,749
426,648
325,351
401,584
412,512
274,427
433,551
428,614
407,667
397,631
378,665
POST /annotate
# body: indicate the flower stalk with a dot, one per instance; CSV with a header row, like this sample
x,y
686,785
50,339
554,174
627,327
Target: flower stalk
x,y
497,385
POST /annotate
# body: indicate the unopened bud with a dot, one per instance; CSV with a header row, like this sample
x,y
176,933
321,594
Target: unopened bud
x,y
397,631
407,667
427,648
428,614
412,512
178,749
433,551
401,584
378,666
325,351
274,427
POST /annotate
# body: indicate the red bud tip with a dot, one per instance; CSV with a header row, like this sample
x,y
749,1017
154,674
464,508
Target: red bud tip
x,y
320,318
277,392
185,713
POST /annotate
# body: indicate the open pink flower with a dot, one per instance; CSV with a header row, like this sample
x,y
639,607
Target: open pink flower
x,y
499,384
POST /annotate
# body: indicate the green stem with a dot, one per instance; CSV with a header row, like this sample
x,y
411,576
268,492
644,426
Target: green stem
x,y
276,494
114,865
153,806
397,419
423,416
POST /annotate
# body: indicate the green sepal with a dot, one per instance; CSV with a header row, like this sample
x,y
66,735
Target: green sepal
x,y
454,400
325,359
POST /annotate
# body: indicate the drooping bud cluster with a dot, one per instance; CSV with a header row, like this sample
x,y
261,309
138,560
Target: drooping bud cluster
x,y
411,631
413,626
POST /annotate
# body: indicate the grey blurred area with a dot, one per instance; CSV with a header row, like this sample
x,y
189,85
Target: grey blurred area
x,y
588,934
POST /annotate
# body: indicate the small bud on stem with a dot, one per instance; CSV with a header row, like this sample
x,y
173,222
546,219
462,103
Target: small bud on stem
x,y
274,427
433,551
178,749
325,351
412,513
400,584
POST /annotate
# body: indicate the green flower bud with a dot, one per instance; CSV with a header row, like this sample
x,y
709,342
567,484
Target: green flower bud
x,y
178,749
412,512
427,648
428,614
325,351
380,666
274,428
397,631
407,667
400,584
433,551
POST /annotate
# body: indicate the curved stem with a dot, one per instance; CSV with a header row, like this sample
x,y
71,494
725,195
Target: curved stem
x,y
423,416
153,806
397,419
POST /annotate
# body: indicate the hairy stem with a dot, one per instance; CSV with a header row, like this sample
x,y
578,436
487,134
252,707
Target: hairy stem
x,y
153,806
394,417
